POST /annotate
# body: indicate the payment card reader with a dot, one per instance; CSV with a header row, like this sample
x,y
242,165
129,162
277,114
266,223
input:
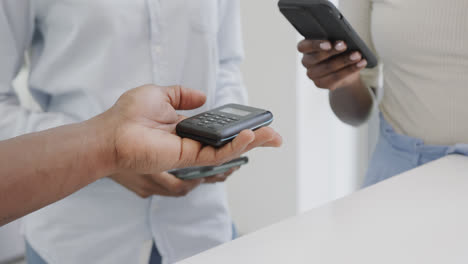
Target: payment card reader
x,y
219,126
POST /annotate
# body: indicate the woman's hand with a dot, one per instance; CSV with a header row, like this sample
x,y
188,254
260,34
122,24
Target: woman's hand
x,y
329,65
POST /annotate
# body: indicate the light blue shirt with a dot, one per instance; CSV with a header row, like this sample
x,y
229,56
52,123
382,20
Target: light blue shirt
x,y
83,55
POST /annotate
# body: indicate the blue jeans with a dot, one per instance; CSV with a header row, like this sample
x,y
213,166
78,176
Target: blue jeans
x,y
33,258
396,153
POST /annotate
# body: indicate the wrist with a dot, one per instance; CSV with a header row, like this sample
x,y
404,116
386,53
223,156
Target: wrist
x,y
354,85
357,89
101,143
362,91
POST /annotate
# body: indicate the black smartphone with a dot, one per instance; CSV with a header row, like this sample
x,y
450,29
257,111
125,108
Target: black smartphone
x,y
219,126
320,19
207,171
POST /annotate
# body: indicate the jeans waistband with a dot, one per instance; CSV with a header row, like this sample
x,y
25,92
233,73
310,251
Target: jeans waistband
x,y
415,145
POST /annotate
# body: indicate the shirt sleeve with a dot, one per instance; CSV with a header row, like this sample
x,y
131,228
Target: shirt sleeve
x,y
16,29
230,87
359,15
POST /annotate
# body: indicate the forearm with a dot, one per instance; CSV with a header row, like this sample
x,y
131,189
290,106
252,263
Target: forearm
x,y
135,136
352,103
41,168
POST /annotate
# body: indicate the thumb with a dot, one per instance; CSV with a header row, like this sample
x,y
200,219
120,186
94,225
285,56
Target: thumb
x,y
182,98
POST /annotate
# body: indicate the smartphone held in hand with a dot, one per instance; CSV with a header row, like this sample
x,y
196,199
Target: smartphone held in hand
x,y
321,20
207,171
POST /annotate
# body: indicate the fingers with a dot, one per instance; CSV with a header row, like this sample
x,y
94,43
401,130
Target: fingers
x,y
195,154
181,118
308,46
333,65
175,186
311,46
221,177
329,66
182,98
334,80
172,127
216,179
146,185
265,137
149,187
275,143
317,51
234,148
142,185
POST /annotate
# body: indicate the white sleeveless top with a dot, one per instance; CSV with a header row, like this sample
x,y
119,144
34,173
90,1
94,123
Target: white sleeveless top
x,y
423,48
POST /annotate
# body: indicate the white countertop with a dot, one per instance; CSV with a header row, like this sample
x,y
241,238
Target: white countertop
x,y
418,217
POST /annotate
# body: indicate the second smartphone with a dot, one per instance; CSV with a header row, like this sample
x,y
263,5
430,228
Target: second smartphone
x,y
321,20
207,171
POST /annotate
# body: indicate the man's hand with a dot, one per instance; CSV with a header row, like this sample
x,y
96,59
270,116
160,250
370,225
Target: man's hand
x,y
136,136
221,177
163,184
143,135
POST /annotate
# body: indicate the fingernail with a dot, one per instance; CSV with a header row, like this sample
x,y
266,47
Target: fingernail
x,y
362,64
340,46
355,56
325,45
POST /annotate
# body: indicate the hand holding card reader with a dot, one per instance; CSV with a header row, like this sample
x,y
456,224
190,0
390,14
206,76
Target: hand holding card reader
x,y
219,126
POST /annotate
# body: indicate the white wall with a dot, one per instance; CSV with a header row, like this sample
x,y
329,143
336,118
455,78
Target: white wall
x,y
332,156
264,192
327,164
